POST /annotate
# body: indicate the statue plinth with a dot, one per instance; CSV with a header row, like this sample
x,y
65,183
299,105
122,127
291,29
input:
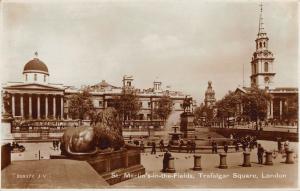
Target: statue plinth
x,y
187,126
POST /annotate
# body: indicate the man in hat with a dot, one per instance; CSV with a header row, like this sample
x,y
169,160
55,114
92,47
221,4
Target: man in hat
x,y
166,159
260,153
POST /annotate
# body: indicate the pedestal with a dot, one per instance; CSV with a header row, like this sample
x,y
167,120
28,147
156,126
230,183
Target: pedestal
x,y
171,166
269,158
187,126
246,162
289,157
223,164
197,163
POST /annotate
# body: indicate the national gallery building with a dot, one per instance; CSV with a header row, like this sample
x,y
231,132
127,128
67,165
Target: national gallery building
x,y
39,102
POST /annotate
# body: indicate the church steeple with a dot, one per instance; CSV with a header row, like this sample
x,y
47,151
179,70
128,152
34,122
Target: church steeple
x,y
262,61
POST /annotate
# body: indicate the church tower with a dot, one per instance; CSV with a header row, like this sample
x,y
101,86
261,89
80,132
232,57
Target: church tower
x,y
262,74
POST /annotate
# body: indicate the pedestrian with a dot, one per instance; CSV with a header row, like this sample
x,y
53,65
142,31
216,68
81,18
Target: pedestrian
x,y
188,146
193,149
58,147
226,147
153,151
54,145
142,147
166,159
161,145
286,145
260,153
212,146
181,143
279,146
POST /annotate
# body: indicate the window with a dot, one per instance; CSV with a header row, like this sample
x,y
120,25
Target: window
x,y
266,67
100,103
149,104
44,78
35,77
141,104
264,44
260,45
26,77
128,83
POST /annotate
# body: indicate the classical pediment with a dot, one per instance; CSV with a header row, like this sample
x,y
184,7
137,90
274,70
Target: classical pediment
x,y
34,87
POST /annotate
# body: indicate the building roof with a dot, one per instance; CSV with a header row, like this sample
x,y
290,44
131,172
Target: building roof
x,y
35,65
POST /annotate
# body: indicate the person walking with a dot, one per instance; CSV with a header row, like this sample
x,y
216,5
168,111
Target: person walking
x,y
188,146
286,145
142,147
153,151
260,153
193,146
166,159
279,145
226,147
161,145
181,143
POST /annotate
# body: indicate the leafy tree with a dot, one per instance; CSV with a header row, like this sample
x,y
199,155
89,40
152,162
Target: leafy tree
x,y
164,107
255,104
126,105
81,105
227,106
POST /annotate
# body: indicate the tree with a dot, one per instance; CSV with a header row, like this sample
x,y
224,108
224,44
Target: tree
x,y
226,107
255,104
164,107
126,105
81,105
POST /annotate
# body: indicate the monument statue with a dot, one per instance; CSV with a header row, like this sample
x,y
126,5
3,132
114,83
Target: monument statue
x,y
187,104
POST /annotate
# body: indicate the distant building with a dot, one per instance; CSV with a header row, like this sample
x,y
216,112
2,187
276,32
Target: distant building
x,y
209,100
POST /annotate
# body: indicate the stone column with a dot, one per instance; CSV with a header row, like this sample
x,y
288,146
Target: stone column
x,y
54,107
280,109
246,162
197,163
223,163
268,110
46,106
30,105
269,158
271,109
61,107
171,166
13,108
22,105
38,107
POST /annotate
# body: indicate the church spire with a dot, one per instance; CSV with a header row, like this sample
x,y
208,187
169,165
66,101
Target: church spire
x,y
261,23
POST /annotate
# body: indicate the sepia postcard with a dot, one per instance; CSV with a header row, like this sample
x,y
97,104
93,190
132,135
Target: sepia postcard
x,y
149,94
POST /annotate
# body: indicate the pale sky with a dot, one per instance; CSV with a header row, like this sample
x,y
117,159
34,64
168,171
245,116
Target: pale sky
x,y
182,43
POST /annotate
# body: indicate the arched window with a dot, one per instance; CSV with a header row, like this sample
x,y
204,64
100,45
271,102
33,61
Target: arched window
x,y
266,67
264,44
35,77
260,44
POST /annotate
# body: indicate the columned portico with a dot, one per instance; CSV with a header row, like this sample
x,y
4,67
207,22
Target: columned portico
x,y
36,105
